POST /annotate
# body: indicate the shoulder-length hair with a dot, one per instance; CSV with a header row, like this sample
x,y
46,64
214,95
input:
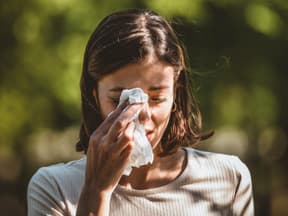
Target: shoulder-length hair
x,y
128,37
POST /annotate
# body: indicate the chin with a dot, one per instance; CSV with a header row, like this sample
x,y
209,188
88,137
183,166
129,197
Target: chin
x,y
155,144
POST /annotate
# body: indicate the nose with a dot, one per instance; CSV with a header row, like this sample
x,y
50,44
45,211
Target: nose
x,y
145,114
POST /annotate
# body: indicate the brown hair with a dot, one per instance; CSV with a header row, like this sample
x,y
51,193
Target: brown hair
x,y
128,37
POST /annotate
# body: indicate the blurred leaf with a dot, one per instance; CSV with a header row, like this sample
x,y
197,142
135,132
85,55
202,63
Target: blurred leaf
x,y
186,8
264,19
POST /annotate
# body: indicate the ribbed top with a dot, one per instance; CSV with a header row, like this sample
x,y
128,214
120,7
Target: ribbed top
x,y
210,184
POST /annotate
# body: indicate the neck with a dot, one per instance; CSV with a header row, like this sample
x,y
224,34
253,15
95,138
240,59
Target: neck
x,y
162,171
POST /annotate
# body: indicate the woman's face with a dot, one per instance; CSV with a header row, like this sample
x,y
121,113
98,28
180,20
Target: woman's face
x,y
156,78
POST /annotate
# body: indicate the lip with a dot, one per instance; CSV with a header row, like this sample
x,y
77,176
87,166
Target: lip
x,y
149,135
149,132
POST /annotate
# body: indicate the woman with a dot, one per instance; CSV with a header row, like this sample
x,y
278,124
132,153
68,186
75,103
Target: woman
x,y
129,49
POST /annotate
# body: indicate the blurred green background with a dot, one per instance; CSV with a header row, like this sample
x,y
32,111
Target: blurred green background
x,y
237,54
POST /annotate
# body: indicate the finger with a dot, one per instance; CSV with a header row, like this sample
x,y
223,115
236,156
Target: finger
x,y
106,124
121,123
125,157
125,139
100,132
99,136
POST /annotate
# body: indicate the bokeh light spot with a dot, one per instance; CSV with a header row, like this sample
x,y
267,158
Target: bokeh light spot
x,y
263,19
272,144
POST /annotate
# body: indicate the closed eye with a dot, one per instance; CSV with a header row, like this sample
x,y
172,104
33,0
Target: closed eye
x,y
157,99
151,99
115,100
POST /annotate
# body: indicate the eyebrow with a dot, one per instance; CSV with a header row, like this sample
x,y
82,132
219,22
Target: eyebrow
x,y
152,88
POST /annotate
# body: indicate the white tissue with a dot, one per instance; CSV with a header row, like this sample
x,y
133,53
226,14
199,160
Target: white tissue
x,y
142,151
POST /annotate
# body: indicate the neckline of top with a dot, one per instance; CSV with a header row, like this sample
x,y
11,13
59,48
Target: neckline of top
x,y
174,183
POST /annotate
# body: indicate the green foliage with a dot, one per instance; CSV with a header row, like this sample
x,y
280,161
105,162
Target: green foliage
x,y
41,52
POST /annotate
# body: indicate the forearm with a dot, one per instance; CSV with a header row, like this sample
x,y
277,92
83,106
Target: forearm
x,y
93,204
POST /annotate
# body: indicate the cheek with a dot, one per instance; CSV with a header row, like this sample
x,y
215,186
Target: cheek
x,y
106,107
160,118
162,114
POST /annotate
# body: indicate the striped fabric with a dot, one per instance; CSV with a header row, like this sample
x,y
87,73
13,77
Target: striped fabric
x,y
211,184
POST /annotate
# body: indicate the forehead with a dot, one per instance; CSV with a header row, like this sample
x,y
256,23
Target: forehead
x,y
145,74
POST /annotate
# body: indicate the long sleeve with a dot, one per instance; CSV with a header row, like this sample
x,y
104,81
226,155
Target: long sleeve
x,y
43,197
243,200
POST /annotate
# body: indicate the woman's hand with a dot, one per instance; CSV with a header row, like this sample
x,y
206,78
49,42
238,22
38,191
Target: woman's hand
x,y
110,147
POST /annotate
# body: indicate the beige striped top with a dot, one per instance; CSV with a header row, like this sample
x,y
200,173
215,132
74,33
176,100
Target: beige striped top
x,y
211,184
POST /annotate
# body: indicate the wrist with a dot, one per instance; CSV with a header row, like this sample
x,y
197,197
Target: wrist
x,y
94,190
94,202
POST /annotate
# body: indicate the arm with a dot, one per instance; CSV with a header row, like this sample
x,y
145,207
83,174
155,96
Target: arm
x,y
43,198
108,153
243,200
93,203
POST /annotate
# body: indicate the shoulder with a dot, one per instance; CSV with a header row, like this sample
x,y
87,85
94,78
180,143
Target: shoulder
x,y
60,171
55,189
58,178
224,176
222,165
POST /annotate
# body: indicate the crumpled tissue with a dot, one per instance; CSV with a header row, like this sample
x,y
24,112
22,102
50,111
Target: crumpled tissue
x,y
142,152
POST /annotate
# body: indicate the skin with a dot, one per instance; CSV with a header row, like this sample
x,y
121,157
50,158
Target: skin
x,y
111,144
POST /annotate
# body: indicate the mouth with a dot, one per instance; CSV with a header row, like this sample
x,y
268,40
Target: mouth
x,y
149,135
